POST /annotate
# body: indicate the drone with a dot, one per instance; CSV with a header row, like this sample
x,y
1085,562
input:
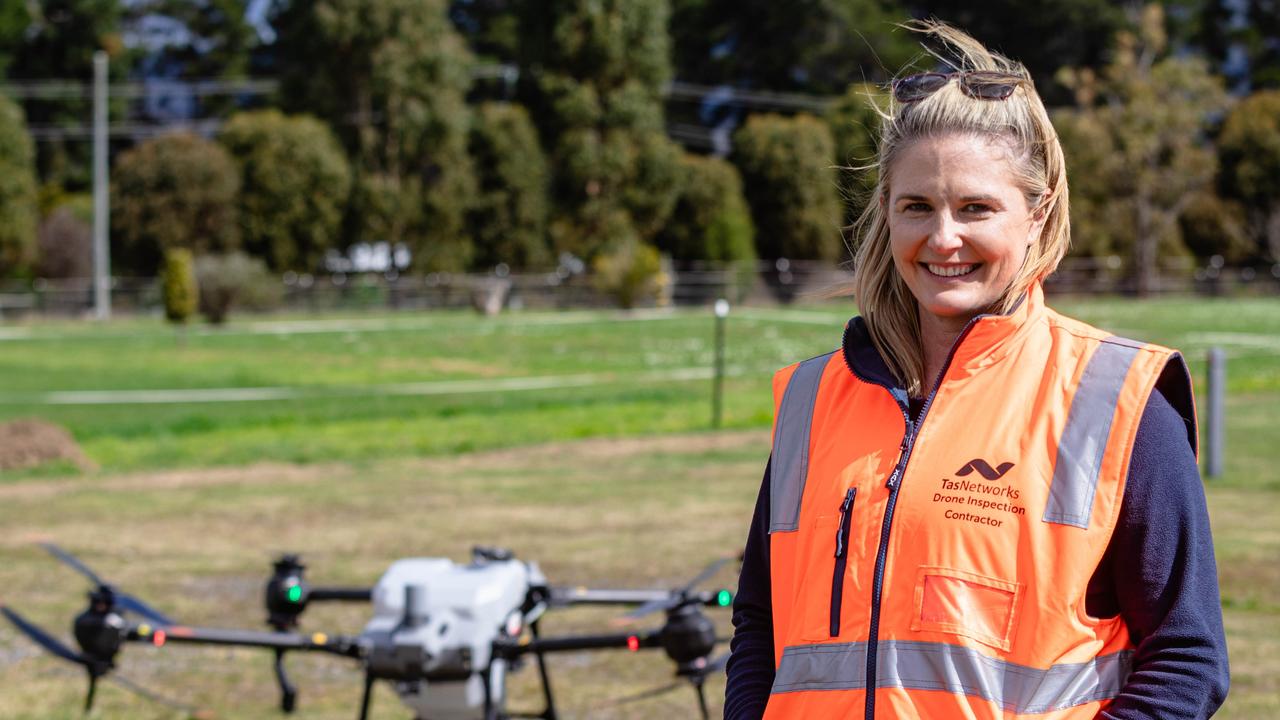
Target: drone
x,y
445,635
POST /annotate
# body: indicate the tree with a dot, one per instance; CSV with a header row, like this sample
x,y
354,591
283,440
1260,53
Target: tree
x,y
59,43
597,70
175,191
1239,36
816,46
389,76
1146,116
711,222
15,18
1044,35
509,217
215,39
294,185
1249,146
786,171
17,191
854,119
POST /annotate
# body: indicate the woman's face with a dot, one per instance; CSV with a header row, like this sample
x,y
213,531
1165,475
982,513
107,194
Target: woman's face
x,y
959,226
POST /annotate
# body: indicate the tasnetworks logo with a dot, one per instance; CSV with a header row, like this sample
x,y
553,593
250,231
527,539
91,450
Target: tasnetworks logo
x,y
982,468
971,501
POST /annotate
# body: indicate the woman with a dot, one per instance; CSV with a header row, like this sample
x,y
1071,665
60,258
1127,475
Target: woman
x,y
977,507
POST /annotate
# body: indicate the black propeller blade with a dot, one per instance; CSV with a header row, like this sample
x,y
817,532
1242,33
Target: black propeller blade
x,y
123,600
95,668
679,596
47,641
142,692
695,677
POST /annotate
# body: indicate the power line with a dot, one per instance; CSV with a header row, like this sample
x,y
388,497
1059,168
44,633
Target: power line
x,y
55,89
690,134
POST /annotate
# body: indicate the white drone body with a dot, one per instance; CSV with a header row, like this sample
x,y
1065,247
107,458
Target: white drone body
x,y
438,620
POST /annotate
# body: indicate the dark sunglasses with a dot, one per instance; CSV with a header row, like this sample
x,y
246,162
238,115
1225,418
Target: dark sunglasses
x,y
980,84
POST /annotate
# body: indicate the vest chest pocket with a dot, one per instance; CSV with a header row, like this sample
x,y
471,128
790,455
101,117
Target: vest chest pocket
x,y
967,604
822,594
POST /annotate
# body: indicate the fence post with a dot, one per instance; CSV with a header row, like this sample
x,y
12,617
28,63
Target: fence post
x,y
717,388
1217,390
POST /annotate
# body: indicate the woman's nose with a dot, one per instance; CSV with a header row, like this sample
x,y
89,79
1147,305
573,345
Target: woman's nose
x,y
944,236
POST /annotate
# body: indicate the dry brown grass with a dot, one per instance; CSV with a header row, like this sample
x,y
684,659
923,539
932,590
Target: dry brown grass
x,y
635,513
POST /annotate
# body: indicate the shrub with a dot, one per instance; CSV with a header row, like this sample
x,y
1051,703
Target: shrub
x,y
1249,148
855,124
178,279
175,191
17,191
64,245
294,185
234,280
1213,226
509,218
790,186
632,273
711,221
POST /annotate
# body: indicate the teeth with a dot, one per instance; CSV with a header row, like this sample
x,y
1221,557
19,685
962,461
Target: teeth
x,y
950,270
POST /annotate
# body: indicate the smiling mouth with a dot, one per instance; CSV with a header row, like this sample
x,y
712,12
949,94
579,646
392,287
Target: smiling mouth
x,y
950,271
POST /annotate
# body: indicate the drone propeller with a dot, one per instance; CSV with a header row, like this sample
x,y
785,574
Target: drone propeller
x,y
696,677
679,596
96,668
42,638
123,600
142,692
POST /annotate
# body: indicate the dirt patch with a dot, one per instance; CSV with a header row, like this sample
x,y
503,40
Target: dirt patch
x,y
28,443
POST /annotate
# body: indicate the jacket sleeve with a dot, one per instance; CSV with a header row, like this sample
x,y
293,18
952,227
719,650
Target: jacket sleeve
x,y
1163,579
750,669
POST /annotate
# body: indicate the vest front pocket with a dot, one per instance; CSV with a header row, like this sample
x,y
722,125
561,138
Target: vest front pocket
x,y
842,559
967,604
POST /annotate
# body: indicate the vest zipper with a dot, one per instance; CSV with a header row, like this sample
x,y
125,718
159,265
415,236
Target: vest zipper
x,y
894,484
842,557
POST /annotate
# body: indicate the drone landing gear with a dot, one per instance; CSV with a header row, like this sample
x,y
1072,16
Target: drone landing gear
x,y
93,687
550,712
367,697
288,693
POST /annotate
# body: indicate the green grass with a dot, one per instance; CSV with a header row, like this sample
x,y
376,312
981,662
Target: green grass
x,y
336,363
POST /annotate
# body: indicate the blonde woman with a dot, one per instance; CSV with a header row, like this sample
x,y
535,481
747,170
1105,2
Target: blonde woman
x,y
977,507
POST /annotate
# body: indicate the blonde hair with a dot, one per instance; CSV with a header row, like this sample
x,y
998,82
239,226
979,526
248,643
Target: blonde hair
x,y
1022,124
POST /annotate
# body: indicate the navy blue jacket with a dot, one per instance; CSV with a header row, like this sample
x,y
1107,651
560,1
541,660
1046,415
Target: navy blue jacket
x,y
1158,574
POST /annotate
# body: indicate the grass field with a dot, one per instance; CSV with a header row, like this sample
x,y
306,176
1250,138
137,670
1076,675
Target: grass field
x,y
373,457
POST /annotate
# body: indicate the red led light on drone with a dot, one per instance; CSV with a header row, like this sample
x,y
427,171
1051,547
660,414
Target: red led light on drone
x,y
158,638
633,643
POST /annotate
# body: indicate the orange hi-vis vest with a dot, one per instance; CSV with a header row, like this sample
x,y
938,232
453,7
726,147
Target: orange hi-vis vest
x,y
942,561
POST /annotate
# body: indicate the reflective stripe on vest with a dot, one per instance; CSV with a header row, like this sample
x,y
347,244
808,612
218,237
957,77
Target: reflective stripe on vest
x,y
1080,448
1084,439
916,665
790,462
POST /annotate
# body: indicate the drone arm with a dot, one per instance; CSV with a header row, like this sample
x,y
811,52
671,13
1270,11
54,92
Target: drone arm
x,y
318,642
634,641
564,596
343,594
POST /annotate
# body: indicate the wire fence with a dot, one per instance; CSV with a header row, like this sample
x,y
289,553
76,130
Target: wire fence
x,y
779,282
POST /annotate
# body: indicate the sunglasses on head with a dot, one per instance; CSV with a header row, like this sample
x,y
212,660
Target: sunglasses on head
x,y
980,84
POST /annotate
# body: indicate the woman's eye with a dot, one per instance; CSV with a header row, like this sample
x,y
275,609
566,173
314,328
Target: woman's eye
x,y
976,208
916,207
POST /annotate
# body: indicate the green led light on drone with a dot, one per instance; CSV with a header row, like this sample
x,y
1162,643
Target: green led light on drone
x,y
295,593
724,598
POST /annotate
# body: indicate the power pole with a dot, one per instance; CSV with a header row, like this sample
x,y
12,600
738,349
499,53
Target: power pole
x,y
101,252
